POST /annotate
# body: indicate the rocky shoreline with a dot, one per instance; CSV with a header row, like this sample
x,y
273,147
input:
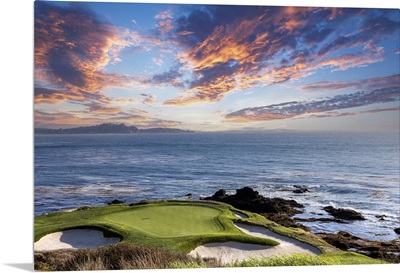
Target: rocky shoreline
x,y
282,211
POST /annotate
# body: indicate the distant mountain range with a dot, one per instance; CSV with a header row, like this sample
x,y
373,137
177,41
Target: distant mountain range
x,y
108,128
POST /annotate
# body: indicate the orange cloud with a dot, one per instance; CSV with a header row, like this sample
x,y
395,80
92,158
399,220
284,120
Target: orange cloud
x,y
164,21
210,92
183,33
271,45
72,47
56,98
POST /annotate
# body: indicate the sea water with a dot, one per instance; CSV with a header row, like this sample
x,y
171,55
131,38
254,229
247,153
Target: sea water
x,y
359,171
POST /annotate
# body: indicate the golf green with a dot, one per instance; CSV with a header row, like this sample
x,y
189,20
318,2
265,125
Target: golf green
x,y
173,225
170,220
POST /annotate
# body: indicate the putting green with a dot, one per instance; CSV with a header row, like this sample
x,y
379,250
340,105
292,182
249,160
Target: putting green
x,y
170,220
174,225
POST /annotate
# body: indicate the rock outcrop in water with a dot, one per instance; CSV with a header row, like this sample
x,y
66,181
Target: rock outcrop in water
x,y
387,251
300,189
276,209
115,201
248,199
345,214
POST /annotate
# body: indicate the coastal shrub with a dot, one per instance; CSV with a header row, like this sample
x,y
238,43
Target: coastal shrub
x,y
196,263
114,257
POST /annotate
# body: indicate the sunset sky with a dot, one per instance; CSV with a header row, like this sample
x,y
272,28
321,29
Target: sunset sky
x,y
216,67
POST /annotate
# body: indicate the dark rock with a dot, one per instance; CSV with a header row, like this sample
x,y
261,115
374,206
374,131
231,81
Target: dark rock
x,y
346,214
374,254
247,193
340,244
301,190
348,235
370,248
140,203
83,208
381,217
189,195
275,209
322,220
387,251
115,201
284,220
397,230
219,194
248,199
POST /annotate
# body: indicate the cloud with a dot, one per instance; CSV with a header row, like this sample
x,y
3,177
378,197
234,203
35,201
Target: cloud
x,y
299,108
185,32
166,14
58,119
125,101
366,84
232,48
158,61
72,46
54,95
170,77
164,21
345,114
96,108
149,99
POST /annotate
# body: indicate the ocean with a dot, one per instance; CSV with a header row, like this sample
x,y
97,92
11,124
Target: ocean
x,y
360,171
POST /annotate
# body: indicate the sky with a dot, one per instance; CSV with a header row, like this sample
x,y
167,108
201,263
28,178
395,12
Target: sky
x,y
219,67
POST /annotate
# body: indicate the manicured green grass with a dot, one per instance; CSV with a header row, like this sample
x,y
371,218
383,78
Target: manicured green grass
x,y
176,226
171,220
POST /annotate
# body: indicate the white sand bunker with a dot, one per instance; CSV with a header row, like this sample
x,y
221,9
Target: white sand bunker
x,y
74,238
230,252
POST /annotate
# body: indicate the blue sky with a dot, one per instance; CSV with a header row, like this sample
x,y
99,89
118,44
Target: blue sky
x,y
216,67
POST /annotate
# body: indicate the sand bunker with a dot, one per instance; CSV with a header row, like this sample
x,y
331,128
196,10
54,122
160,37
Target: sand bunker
x,y
74,238
230,252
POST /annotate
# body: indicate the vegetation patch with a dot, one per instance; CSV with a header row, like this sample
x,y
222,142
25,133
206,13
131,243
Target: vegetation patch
x,y
115,257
